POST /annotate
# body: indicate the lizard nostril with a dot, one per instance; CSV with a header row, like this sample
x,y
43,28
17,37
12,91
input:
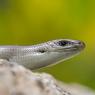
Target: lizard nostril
x,y
63,43
82,44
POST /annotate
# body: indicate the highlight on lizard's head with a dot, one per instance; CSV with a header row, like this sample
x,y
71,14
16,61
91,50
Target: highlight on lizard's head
x,y
57,50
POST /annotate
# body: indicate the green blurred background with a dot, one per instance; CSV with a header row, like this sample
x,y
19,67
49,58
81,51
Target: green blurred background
x,y
26,22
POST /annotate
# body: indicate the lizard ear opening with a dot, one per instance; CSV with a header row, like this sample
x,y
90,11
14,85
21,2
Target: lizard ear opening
x,y
41,50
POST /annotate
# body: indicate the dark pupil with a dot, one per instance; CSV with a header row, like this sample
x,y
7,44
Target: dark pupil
x,y
62,43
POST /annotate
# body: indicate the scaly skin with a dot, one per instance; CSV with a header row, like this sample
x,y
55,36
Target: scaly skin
x,y
41,55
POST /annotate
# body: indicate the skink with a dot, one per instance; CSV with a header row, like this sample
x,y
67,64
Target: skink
x,y
41,55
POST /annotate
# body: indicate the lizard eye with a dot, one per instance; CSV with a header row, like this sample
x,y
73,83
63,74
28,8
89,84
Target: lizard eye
x,y
63,43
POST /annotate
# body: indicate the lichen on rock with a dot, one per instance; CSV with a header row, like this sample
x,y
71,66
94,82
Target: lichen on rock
x,y
17,80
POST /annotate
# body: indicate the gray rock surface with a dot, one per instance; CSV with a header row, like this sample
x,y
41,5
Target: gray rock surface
x,y
17,80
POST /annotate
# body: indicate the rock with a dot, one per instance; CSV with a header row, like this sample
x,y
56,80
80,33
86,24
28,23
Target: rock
x,y
77,89
17,80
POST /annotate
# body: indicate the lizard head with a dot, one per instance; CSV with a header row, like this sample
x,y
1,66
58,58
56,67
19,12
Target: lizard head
x,y
56,51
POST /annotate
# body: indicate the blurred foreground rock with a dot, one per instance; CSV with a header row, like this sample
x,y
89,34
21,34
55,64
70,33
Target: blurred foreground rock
x,y
17,80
